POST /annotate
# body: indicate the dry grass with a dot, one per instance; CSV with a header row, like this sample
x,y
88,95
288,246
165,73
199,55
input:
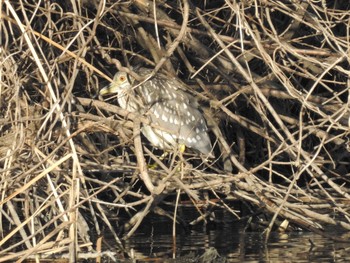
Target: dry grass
x,y
272,77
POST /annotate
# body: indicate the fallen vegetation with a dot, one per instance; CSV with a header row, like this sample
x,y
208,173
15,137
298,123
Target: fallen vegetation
x,y
270,76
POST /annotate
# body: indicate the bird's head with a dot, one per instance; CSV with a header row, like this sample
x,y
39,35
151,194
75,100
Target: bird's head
x,y
119,84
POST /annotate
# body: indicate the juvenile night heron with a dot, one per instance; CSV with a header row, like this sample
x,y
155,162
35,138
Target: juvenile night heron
x,y
168,106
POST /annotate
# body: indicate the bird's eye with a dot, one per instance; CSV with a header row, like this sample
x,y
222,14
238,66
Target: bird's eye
x,y
122,78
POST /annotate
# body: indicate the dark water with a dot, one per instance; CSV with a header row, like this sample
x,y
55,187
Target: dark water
x,y
154,240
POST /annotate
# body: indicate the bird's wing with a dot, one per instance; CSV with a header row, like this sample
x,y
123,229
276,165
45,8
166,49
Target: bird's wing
x,y
182,120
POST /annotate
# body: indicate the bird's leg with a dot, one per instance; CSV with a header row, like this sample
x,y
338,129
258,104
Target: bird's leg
x,y
182,148
161,158
153,166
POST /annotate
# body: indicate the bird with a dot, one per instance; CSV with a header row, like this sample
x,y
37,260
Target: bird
x,y
168,106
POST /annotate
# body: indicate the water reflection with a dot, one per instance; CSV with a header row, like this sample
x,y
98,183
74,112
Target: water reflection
x,y
155,241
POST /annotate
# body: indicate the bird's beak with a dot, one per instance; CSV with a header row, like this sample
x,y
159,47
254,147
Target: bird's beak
x,y
109,89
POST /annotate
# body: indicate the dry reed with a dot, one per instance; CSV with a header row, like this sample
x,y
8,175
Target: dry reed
x,y
272,79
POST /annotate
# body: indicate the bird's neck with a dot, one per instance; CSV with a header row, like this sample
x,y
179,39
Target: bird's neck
x,y
128,101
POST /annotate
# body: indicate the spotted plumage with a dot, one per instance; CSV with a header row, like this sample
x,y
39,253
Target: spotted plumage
x,y
168,106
